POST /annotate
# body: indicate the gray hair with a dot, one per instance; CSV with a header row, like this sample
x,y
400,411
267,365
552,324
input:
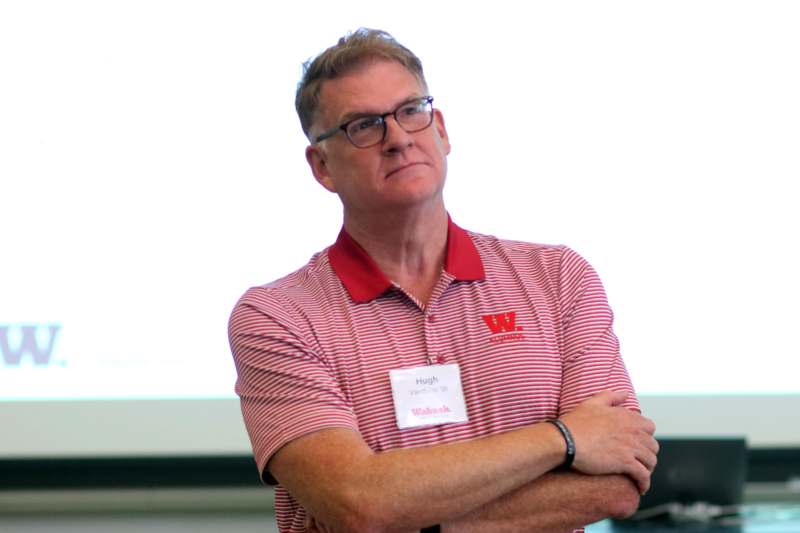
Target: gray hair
x,y
351,51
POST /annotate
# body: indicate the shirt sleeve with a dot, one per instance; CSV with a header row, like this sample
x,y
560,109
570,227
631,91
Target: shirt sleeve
x,y
592,361
284,384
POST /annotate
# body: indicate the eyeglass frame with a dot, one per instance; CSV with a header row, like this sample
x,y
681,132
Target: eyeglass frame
x,y
428,101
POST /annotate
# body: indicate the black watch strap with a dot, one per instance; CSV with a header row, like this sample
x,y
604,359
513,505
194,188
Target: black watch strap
x,y
570,456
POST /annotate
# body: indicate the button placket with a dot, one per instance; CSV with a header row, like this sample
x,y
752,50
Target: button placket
x,y
435,355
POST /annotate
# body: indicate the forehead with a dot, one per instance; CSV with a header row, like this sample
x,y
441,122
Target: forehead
x,y
372,87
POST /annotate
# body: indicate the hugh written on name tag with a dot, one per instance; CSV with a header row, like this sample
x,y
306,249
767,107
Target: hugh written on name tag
x,y
428,395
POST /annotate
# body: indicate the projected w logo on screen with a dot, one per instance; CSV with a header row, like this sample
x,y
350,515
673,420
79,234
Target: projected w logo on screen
x,y
35,341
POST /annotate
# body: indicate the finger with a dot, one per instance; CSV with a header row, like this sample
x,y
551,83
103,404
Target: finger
x,y
646,441
640,475
618,397
646,451
648,459
610,397
649,426
652,445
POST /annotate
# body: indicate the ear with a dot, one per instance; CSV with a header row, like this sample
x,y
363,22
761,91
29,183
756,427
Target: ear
x,y
438,123
317,160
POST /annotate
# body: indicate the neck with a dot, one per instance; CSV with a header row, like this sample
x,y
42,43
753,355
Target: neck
x,y
409,246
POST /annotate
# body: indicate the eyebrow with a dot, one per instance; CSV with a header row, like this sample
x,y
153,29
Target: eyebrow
x,y
352,115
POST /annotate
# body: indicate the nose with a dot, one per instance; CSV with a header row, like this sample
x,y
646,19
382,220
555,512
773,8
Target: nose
x,y
397,139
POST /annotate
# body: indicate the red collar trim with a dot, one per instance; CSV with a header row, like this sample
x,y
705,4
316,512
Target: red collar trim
x,y
364,280
462,259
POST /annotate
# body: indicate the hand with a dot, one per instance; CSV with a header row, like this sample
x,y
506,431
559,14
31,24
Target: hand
x,y
611,439
313,526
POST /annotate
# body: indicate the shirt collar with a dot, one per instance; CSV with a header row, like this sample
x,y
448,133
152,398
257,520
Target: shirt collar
x,y
364,280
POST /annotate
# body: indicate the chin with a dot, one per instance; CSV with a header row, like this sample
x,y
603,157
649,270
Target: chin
x,y
419,194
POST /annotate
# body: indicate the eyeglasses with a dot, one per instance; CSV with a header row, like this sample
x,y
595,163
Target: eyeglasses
x,y
364,132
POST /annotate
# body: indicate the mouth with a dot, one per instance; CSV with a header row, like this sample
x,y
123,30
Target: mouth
x,y
401,168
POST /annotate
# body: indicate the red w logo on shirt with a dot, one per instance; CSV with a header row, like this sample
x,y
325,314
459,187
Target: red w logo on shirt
x,y
502,322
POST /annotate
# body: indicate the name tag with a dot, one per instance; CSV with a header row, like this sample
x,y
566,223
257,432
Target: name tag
x,y
428,395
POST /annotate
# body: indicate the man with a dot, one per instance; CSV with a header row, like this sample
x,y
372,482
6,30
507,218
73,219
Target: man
x,y
415,375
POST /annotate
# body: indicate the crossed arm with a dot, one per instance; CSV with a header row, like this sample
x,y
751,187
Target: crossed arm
x,y
554,503
501,480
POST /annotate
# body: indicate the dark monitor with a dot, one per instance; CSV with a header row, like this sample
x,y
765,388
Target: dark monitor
x,y
690,470
698,482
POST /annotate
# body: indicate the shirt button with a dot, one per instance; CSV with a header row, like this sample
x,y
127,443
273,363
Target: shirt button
x,y
431,318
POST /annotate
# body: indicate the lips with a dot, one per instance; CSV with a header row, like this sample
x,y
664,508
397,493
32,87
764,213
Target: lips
x,y
401,168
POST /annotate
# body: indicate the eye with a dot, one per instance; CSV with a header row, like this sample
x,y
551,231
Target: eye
x,y
412,108
364,124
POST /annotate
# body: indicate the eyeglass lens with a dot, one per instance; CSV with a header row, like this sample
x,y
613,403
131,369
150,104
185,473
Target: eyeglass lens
x,y
413,116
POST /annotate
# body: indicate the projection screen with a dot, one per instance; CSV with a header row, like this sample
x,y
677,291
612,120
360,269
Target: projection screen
x,y
152,170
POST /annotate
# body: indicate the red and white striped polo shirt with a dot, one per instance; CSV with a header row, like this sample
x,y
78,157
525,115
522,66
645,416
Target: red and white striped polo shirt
x,y
528,325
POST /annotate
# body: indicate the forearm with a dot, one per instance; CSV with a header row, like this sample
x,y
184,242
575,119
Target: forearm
x,y
412,488
341,482
554,503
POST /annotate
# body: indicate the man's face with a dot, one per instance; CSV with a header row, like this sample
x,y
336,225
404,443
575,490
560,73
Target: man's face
x,y
403,171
